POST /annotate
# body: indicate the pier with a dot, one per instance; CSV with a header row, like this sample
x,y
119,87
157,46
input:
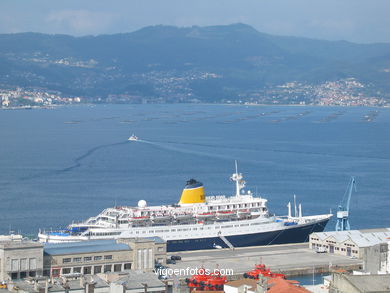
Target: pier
x,y
289,259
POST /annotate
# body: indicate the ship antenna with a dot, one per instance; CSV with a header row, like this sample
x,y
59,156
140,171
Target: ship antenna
x,y
295,206
237,177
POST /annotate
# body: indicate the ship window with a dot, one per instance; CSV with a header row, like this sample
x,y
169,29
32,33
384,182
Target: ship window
x,y
65,260
88,258
77,259
108,257
211,208
173,230
194,229
98,257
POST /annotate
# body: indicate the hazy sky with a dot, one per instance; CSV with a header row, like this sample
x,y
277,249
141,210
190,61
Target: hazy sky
x,y
353,20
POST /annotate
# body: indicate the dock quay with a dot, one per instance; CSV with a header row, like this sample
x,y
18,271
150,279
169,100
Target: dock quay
x,y
289,259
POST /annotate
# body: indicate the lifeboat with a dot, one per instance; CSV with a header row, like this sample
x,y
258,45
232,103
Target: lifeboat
x,y
262,270
243,213
225,214
216,282
206,282
142,218
198,280
204,215
255,213
160,217
183,216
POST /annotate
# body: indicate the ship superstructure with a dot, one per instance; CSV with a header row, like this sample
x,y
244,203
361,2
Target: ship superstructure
x,y
197,221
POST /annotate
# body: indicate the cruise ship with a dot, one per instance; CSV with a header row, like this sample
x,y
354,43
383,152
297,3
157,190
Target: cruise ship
x,y
198,221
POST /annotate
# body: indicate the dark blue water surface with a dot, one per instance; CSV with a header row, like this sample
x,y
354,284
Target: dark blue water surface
x,y
67,164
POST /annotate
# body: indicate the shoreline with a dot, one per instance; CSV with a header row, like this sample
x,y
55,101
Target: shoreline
x,y
50,107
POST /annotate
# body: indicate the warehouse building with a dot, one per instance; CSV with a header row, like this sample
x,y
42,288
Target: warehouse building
x,y
349,243
24,258
19,258
376,259
102,256
347,283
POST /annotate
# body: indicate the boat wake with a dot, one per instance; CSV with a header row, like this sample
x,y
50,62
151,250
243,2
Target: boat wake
x,y
90,152
77,162
170,146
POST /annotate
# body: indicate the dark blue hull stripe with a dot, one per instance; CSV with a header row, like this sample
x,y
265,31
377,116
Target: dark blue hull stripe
x,y
290,235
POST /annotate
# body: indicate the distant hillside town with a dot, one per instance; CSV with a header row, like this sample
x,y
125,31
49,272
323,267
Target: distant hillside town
x,y
166,64
23,98
346,92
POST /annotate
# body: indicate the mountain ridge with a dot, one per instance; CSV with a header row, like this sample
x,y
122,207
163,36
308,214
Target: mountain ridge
x,y
171,64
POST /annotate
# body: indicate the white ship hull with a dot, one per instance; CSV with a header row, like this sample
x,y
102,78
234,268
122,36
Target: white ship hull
x,y
197,222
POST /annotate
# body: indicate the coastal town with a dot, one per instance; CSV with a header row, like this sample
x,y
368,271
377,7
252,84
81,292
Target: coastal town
x,y
25,98
174,89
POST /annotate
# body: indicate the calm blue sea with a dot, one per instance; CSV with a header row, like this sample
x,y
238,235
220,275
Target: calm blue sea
x,y
69,163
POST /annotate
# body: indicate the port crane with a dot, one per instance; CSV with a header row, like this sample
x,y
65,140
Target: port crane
x,y
342,223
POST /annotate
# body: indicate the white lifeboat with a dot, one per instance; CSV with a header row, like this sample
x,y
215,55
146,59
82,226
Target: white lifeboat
x,y
205,215
243,213
160,217
225,214
139,219
183,216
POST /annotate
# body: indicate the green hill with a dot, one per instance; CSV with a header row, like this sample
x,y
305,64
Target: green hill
x,y
182,64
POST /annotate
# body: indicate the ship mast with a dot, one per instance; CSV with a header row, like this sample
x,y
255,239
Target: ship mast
x,y
237,177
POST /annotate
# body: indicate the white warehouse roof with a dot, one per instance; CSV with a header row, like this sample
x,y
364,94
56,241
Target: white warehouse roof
x,y
362,238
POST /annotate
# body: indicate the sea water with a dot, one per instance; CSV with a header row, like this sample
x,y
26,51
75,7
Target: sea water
x,y
69,163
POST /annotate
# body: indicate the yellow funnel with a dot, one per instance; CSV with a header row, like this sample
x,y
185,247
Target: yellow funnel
x,y
193,192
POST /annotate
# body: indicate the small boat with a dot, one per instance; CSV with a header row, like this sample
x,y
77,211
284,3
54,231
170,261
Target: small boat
x,y
204,215
160,217
141,218
183,216
243,213
225,214
133,137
